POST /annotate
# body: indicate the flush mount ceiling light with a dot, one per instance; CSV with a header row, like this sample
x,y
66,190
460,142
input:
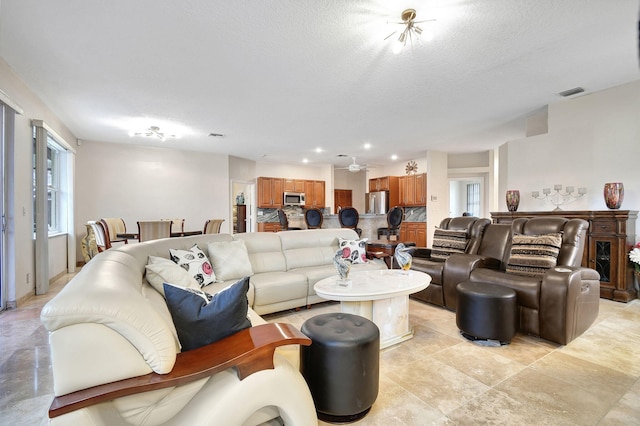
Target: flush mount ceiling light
x,y
411,30
153,132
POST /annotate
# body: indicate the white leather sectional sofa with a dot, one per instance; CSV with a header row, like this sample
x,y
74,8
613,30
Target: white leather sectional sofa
x,y
109,325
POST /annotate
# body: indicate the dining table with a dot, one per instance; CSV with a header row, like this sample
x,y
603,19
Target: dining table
x,y
134,236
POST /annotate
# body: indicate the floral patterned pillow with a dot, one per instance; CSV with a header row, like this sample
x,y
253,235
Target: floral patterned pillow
x,y
196,263
354,250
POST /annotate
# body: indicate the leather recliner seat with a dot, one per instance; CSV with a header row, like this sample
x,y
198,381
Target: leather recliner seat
x,y
557,306
424,262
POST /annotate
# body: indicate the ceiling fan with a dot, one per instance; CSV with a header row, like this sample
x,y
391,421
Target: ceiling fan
x,y
355,167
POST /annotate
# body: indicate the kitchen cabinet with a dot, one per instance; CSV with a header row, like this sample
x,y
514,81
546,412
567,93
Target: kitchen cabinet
x,y
293,185
413,190
414,232
385,183
342,198
609,238
314,193
270,192
268,227
421,189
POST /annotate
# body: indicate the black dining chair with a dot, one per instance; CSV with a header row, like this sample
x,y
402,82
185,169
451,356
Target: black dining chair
x,y
349,218
394,220
313,218
284,222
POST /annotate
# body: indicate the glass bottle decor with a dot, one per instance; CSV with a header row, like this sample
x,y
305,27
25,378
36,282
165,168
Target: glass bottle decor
x,y
513,200
613,194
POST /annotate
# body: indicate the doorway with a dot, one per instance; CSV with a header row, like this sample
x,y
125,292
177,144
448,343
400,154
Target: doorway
x,y
243,212
467,196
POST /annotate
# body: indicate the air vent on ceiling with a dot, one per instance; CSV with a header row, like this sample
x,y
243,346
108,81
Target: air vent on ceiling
x,y
571,92
342,155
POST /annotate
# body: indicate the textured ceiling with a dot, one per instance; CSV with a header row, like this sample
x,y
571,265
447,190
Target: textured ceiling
x,y
281,78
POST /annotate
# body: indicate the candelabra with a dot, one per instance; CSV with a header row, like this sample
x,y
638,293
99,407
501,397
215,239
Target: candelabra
x,y
558,198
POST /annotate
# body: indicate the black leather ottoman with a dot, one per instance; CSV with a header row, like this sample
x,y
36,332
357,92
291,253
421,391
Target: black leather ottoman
x,y
341,366
486,311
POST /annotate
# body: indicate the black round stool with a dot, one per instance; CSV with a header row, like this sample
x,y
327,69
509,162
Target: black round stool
x,y
341,366
486,311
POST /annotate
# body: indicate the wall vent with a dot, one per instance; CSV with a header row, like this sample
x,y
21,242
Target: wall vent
x,y
571,92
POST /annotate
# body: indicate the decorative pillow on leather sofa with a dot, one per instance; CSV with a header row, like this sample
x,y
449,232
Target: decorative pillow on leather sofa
x,y
447,242
230,260
201,318
533,255
161,270
196,263
354,250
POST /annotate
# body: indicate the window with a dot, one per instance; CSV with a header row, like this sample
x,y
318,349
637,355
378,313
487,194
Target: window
x,y
56,209
473,199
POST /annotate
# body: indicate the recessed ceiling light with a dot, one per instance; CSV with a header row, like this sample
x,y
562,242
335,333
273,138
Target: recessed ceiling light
x,y
318,150
305,160
394,157
367,145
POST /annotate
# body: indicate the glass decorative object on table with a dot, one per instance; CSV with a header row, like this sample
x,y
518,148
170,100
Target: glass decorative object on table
x,y
613,194
343,266
513,200
403,257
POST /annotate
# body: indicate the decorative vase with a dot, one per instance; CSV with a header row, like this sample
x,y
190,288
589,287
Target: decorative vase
x,y
513,200
613,194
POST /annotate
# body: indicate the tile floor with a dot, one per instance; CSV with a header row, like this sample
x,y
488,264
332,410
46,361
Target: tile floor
x,y
435,378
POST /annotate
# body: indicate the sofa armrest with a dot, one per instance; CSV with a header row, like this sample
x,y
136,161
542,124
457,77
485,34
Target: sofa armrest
x,y
569,302
249,351
457,269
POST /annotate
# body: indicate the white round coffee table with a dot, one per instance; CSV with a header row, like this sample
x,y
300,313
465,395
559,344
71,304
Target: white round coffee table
x,y
381,296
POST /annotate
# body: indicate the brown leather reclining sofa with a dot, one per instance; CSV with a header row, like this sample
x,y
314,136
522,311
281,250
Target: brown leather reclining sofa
x,y
558,305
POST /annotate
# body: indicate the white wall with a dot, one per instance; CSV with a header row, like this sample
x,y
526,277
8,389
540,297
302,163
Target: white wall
x,y
592,140
142,183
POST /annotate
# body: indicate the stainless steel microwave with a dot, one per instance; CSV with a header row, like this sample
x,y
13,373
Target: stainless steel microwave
x,y
293,199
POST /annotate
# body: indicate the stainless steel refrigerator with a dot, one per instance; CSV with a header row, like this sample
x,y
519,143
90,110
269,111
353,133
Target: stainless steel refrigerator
x,y
377,202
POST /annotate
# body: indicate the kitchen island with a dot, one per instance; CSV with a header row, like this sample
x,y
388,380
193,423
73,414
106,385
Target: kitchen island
x,y
369,223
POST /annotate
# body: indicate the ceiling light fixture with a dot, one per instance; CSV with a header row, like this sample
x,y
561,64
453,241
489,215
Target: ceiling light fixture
x,y
410,31
153,132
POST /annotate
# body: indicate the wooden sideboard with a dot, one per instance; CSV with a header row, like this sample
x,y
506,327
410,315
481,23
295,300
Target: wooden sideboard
x,y
611,235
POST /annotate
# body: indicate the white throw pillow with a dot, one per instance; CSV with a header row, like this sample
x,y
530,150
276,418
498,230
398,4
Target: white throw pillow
x,y
161,270
230,260
354,250
196,263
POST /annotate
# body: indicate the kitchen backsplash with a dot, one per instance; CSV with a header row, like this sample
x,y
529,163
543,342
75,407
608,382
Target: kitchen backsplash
x,y
415,214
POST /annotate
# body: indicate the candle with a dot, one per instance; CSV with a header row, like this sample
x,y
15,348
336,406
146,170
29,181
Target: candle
x,y
582,191
535,194
546,191
557,187
569,189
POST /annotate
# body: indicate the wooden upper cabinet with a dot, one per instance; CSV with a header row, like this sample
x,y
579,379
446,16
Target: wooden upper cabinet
x,y
421,189
270,192
384,183
314,193
293,185
413,190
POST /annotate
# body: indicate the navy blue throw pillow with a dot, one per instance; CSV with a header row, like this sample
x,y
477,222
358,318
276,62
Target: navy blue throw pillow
x,y
201,318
